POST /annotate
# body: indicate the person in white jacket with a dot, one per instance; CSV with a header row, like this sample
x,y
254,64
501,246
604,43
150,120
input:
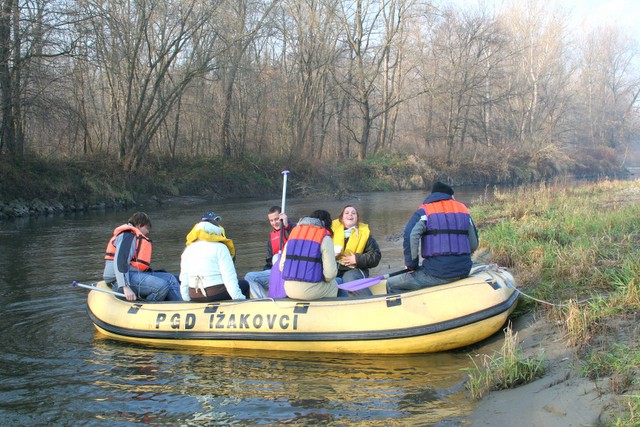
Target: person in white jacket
x,y
207,272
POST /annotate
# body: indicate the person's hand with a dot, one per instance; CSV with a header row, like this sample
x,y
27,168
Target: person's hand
x,y
413,266
349,260
284,219
128,294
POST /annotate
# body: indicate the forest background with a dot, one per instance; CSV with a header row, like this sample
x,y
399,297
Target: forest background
x,y
106,102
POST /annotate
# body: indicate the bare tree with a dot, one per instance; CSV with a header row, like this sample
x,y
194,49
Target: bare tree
x,y
360,20
539,71
31,38
150,52
311,37
243,23
610,85
461,45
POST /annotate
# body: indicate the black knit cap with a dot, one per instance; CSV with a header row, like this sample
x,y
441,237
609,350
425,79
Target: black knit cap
x,y
440,187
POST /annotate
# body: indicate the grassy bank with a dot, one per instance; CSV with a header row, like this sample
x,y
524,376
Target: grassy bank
x,y
576,250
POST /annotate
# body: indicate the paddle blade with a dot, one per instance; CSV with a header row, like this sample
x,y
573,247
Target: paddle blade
x,y
356,285
276,282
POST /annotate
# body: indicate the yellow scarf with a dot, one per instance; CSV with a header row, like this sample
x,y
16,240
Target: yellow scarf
x,y
198,233
357,241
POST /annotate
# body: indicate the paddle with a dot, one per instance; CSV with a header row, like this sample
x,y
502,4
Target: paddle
x,y
94,288
276,284
356,285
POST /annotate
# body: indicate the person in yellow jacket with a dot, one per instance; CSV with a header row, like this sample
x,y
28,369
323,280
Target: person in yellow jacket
x,y
207,272
355,248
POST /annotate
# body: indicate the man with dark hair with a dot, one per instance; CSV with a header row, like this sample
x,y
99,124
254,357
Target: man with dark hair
x,y
442,231
280,229
128,264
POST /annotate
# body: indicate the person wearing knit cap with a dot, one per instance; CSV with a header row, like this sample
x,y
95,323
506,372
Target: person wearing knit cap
x,y
443,232
207,272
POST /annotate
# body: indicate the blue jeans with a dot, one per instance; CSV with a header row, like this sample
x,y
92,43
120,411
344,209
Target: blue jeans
x,y
258,282
155,286
419,279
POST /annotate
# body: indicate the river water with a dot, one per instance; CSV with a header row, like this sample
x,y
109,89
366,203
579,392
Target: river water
x,y
55,369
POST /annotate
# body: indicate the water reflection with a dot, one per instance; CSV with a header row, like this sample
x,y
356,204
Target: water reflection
x,y
252,388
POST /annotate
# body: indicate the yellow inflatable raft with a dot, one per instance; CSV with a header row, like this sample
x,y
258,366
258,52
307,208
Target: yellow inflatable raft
x,y
428,320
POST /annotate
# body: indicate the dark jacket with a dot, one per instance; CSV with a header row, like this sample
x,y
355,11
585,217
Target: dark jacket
x,y
443,266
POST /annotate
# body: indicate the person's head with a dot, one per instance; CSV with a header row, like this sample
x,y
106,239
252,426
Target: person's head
x,y
141,221
323,216
211,216
349,216
440,187
274,217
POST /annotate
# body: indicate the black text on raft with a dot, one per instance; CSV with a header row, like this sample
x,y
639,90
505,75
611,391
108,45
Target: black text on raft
x,y
231,321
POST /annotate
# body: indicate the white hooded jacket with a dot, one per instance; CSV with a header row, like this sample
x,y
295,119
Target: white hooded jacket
x,y
205,264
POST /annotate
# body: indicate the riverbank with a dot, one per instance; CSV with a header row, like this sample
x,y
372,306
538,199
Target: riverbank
x,y
574,253
562,397
36,186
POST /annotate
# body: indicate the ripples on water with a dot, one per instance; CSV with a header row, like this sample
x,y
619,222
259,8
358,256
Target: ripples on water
x,y
56,370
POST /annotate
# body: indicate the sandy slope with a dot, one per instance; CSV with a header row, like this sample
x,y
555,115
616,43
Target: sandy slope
x,y
561,398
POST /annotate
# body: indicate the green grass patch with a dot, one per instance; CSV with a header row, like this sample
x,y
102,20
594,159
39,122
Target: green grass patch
x,y
507,368
563,241
576,248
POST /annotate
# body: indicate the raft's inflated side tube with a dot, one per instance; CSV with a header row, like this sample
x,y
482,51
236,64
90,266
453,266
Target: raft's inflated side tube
x,y
428,320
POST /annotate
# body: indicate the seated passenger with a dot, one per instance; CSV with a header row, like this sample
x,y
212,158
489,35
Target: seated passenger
x,y
308,262
355,248
128,264
207,272
280,229
442,231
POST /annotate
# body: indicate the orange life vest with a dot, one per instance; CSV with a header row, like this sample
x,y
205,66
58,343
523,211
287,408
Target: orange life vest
x,y
142,256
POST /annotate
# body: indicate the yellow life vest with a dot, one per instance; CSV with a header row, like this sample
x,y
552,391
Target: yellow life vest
x,y
357,241
197,233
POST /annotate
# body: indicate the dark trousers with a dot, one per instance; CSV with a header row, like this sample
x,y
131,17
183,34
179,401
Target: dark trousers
x,y
217,292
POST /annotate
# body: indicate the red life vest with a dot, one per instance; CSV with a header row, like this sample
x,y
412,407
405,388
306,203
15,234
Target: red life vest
x,y
142,257
274,238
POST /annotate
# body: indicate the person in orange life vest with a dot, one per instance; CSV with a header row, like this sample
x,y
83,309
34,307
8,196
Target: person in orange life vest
x,y
355,248
128,264
207,272
259,280
444,233
308,262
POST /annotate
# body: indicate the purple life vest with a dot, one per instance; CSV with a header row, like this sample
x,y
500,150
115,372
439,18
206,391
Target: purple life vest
x,y
303,260
447,229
